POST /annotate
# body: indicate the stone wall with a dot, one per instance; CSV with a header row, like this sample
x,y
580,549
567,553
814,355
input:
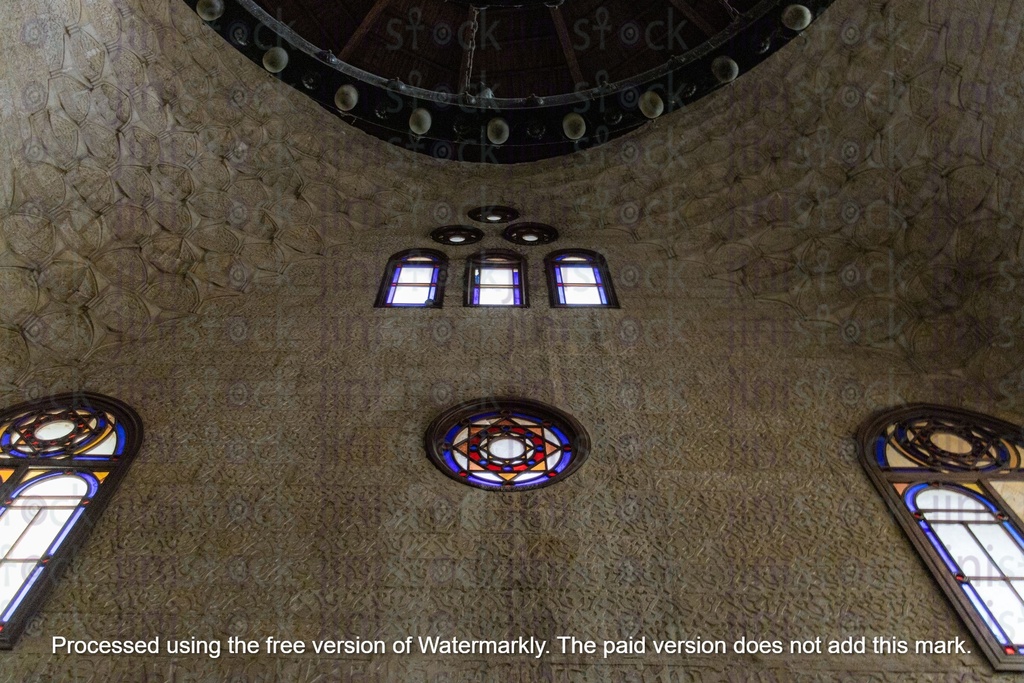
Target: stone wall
x,y
834,233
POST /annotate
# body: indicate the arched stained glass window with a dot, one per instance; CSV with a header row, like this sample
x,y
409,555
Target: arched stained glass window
x,y
506,444
414,279
60,460
579,278
955,481
496,278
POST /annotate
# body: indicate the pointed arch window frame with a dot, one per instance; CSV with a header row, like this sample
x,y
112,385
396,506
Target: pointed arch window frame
x,y
496,259
392,273
557,283
900,488
102,474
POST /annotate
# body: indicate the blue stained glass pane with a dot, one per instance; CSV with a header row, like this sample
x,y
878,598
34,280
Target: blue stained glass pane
x,y
21,594
985,614
515,277
122,437
939,548
597,276
604,297
558,274
560,434
67,529
561,294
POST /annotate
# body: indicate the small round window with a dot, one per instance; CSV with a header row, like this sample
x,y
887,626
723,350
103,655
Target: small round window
x,y
457,235
530,233
506,444
493,214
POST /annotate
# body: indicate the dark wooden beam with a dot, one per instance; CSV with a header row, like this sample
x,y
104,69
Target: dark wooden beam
x,y
727,6
567,48
694,17
364,27
468,48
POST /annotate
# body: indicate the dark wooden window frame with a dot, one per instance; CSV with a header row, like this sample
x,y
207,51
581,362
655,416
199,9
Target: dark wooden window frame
x,y
76,534
869,437
594,259
401,257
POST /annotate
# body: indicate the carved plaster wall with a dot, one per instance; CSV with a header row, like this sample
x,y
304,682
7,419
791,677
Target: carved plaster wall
x,y
836,232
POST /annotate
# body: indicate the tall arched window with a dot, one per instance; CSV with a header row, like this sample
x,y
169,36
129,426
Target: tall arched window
x,y
496,278
414,279
955,481
60,461
577,277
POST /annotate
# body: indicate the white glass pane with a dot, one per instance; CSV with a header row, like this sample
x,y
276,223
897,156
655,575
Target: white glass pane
x,y
1005,606
582,296
13,523
506,449
578,275
55,430
528,476
411,295
496,297
58,486
1001,546
41,525
965,551
105,447
945,499
554,459
496,276
12,576
461,460
41,533
1013,493
489,476
415,275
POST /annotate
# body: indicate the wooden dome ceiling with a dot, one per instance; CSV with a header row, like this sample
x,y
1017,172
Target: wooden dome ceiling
x,y
516,49
505,81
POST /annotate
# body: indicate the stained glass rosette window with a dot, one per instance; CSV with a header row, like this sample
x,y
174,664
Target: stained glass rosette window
x,y
955,481
507,444
60,460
